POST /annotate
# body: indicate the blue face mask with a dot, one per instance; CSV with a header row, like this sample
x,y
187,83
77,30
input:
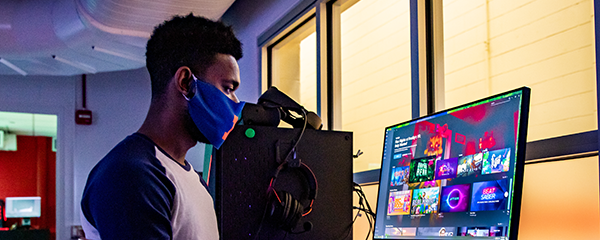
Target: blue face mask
x,y
213,112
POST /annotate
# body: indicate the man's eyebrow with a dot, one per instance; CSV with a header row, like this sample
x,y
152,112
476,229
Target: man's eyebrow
x,y
233,82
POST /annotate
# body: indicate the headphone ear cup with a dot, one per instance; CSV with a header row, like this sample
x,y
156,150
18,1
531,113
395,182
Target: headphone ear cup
x,y
286,213
295,214
288,201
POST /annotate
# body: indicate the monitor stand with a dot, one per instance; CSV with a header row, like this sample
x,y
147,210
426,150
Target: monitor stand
x,y
26,223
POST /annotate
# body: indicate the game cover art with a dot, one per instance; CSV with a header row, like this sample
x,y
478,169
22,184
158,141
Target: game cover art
x,y
496,231
399,176
488,196
435,139
469,165
496,161
446,168
425,201
478,232
422,169
400,231
455,198
426,184
399,202
436,231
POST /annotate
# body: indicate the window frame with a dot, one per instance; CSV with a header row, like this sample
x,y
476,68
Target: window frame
x,y
427,75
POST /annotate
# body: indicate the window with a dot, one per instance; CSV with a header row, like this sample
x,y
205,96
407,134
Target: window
x,y
294,64
488,47
495,46
375,73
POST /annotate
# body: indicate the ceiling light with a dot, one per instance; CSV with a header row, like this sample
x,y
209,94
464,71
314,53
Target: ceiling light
x,y
13,67
81,66
118,54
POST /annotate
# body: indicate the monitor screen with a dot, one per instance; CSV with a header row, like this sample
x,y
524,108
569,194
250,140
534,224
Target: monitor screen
x,y
455,174
23,207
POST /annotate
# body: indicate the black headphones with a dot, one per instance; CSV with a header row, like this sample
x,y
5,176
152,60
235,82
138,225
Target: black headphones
x,y
283,209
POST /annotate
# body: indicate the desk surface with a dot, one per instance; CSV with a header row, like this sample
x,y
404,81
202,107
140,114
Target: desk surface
x,y
34,234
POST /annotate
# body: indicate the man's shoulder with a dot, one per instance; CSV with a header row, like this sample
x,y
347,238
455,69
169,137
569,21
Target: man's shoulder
x,y
132,147
133,154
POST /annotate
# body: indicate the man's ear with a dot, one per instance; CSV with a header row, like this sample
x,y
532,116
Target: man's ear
x,y
183,79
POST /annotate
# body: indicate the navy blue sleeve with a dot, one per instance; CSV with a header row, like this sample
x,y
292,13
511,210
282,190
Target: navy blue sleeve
x,y
128,195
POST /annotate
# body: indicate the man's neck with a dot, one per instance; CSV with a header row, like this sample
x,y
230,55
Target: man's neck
x,y
168,133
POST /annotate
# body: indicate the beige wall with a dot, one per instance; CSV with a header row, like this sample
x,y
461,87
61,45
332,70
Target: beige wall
x,y
547,45
560,201
308,72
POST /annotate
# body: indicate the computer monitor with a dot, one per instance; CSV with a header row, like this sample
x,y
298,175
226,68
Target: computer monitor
x,y
23,207
455,174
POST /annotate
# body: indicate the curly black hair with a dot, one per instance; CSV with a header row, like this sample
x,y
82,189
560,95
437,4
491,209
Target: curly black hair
x,y
187,41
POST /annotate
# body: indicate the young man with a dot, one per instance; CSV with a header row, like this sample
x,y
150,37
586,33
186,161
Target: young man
x,y
144,188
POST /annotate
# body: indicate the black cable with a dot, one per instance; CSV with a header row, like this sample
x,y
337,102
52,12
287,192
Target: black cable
x,y
281,165
299,137
365,207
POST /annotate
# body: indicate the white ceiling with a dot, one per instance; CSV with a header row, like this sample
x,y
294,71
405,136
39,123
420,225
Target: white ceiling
x,y
28,124
72,37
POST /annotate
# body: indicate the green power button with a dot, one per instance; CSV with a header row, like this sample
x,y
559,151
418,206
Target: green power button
x,y
250,133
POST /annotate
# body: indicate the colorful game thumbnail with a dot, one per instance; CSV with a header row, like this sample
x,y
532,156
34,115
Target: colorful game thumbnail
x,y
493,231
446,168
496,231
400,231
496,161
478,232
422,169
436,231
399,202
425,201
427,184
488,196
455,198
469,165
399,176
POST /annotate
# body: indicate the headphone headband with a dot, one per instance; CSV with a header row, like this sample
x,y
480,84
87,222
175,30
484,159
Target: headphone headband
x,y
309,176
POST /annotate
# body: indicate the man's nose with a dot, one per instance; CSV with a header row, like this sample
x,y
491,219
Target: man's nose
x,y
234,98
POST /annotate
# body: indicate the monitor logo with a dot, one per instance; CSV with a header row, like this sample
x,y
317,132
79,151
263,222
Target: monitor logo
x,y
453,199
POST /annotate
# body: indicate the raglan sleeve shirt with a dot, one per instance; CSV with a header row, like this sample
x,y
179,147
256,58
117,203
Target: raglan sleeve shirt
x,y
137,192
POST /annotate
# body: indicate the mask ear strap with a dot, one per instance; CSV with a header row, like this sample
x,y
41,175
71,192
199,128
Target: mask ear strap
x,y
184,96
192,89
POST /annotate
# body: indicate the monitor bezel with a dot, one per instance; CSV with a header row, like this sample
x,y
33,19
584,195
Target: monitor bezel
x,y
519,161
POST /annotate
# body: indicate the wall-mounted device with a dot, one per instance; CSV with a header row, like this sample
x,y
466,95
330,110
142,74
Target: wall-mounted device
x,y
83,116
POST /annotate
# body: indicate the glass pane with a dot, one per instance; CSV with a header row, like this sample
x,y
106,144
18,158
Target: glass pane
x,y
559,204
498,45
376,84
294,64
